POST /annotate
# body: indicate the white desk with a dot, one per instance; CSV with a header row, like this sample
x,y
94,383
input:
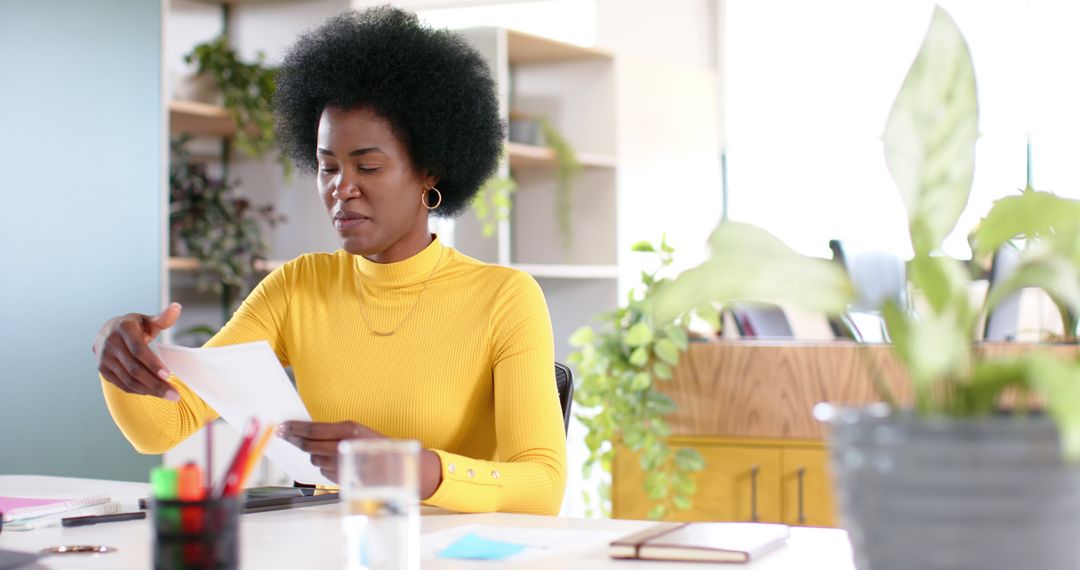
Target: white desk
x,y
310,538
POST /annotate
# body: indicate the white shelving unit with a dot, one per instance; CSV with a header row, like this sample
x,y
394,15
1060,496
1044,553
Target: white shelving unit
x,y
574,89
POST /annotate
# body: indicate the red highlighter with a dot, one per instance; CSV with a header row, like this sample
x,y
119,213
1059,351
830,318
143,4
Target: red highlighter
x,y
190,483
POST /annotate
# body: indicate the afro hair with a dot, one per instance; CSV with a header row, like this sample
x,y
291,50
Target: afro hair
x,y
434,89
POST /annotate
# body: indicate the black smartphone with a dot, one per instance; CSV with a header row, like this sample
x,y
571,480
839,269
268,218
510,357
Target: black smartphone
x,y
259,499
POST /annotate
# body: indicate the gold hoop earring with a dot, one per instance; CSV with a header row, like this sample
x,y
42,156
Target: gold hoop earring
x,y
424,195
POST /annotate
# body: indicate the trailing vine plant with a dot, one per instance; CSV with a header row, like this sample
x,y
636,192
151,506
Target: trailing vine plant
x,y
247,89
568,167
619,364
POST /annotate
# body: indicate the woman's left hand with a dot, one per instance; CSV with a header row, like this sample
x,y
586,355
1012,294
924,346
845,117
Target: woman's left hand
x,y
321,441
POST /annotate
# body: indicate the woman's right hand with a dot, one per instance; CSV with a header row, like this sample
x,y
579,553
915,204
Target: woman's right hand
x,y
124,357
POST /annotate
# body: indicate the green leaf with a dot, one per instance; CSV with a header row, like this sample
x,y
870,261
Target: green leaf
x,y
933,347
638,335
643,246
662,371
684,484
667,351
682,502
689,459
1056,380
931,132
657,512
661,404
641,381
1029,214
940,278
633,438
656,485
582,337
678,335
749,264
988,380
1056,275
640,357
710,314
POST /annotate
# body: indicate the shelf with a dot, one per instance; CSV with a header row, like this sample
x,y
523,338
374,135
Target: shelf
x,y
548,271
192,264
539,270
532,156
526,48
200,119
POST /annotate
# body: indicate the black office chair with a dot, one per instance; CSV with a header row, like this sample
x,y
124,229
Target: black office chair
x,y
564,382
878,276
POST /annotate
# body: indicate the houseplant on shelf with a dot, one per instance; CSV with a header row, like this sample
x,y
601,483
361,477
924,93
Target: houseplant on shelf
x,y
979,470
568,168
619,403
538,130
209,222
247,90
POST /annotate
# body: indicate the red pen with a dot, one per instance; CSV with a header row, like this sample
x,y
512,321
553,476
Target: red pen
x,y
231,484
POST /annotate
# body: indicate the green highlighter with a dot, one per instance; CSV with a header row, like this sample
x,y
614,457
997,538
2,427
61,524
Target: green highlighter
x,y
163,480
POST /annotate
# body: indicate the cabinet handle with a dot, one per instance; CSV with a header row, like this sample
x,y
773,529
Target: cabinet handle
x,y
753,493
802,512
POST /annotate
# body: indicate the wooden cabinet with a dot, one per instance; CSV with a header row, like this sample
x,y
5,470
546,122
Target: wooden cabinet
x,y
745,479
806,487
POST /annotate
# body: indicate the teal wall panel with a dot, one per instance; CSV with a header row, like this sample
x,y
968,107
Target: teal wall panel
x,y
80,220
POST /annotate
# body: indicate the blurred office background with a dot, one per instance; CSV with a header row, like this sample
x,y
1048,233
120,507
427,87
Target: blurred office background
x,y
680,111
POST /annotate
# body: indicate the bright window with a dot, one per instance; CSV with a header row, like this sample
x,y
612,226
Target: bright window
x,y
809,85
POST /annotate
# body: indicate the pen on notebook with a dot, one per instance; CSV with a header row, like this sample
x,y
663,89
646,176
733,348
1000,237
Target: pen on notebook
x,y
95,519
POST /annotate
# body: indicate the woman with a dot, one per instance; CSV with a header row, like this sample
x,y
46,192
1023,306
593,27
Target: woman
x,y
395,335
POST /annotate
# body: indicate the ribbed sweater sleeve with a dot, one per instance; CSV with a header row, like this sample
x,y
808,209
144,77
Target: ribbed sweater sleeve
x,y
529,474
153,425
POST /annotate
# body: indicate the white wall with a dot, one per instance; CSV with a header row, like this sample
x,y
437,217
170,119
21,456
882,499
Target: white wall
x,y
667,89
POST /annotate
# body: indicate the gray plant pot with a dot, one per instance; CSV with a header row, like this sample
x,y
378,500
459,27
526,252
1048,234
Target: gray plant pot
x,y
980,494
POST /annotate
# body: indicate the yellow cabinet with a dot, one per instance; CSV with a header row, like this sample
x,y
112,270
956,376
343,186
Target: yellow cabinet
x,y
745,479
807,492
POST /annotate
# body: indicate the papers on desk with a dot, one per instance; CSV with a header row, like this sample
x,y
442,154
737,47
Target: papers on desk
x,y
242,381
484,542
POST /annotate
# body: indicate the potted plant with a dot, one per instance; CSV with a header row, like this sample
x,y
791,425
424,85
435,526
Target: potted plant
x,y
566,172
978,471
221,230
618,364
247,91
538,130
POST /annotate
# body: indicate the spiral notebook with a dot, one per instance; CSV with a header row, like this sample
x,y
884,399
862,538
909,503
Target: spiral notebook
x,y
55,518
17,508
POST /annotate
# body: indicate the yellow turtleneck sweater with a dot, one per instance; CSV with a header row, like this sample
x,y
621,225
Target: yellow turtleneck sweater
x,y
468,373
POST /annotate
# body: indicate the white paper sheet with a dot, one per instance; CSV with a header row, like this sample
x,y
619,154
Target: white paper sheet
x,y
538,542
242,381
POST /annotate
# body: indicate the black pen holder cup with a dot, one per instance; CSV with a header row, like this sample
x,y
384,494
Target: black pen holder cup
x,y
192,535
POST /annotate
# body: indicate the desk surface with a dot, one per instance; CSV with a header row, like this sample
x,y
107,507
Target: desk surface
x,y
311,537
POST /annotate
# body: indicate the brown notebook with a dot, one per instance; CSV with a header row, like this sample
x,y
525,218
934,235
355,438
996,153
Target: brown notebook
x,y
701,541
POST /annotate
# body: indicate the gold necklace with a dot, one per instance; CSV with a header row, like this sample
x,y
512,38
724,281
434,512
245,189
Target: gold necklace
x,y
416,303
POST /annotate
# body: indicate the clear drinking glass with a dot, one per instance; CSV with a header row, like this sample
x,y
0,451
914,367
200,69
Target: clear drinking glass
x,y
380,490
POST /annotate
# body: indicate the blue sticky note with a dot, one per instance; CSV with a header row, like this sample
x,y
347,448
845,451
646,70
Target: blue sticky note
x,y
473,547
